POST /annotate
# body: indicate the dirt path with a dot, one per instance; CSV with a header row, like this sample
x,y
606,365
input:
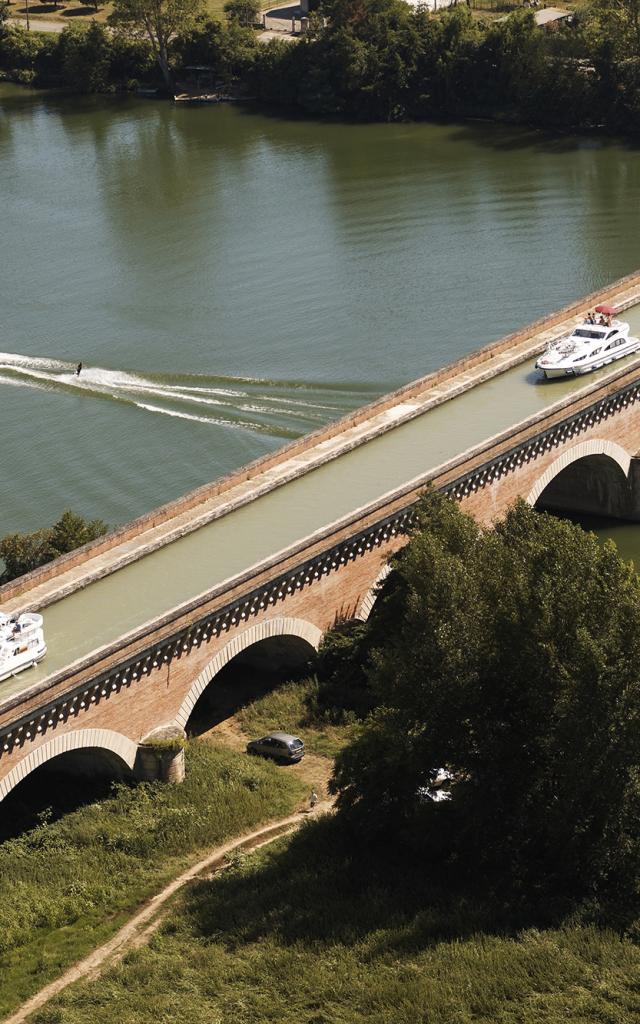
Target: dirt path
x,y
39,24
142,925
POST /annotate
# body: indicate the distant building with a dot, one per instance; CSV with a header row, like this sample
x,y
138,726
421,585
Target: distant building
x,y
545,17
550,17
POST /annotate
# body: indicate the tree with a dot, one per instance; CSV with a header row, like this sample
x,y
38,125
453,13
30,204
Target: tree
x,y
23,552
85,57
512,659
72,531
159,21
228,49
617,24
244,12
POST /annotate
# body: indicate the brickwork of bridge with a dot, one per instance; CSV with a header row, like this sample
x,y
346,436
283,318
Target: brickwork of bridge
x,y
152,678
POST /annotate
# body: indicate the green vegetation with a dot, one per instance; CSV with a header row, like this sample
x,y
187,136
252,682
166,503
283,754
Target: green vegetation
x,y
309,931
157,21
510,658
245,12
66,885
297,708
23,552
365,60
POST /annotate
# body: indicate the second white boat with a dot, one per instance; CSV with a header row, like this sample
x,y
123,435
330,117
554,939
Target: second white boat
x,y
22,643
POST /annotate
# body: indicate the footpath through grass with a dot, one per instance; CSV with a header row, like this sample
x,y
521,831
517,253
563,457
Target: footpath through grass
x,y
304,932
66,886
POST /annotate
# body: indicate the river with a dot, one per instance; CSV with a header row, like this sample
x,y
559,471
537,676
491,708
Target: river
x,y
231,280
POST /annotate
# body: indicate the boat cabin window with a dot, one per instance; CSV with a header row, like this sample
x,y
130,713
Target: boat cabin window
x,y
611,334
582,332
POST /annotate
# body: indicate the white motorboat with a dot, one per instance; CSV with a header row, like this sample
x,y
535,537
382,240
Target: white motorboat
x,y
601,339
21,643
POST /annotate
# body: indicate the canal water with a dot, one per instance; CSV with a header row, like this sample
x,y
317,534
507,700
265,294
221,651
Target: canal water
x,y
231,280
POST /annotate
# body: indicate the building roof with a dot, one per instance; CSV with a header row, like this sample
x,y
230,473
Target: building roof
x,y
548,14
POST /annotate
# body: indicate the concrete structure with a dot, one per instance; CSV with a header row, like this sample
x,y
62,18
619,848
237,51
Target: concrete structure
x,y
110,696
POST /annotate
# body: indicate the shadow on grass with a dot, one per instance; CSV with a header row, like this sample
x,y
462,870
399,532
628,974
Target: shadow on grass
x,y
321,888
79,12
43,9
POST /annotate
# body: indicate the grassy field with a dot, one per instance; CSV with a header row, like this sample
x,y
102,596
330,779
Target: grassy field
x,y
68,12
303,932
65,886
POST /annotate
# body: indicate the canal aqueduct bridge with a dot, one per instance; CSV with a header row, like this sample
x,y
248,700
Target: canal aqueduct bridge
x,y
261,563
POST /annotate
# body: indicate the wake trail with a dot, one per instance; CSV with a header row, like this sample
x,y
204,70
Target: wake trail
x,y
229,398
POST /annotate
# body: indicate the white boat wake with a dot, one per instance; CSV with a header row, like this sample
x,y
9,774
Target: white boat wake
x,y
241,403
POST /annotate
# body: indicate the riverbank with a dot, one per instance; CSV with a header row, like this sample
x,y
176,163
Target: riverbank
x,y
393,64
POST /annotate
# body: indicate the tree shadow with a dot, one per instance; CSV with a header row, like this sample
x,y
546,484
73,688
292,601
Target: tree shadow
x,y
510,138
286,13
322,887
43,9
79,12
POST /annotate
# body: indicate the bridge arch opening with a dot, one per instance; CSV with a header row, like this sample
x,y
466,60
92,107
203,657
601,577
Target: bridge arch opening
x,y
368,602
591,479
57,781
253,663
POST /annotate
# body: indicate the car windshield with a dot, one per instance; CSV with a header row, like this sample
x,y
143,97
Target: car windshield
x,y
296,744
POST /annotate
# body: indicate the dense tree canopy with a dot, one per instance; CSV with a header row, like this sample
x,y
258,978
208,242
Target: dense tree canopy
x,y
367,60
23,552
244,12
511,658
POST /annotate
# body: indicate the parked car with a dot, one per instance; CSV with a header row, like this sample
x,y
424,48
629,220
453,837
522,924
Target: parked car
x,y
280,746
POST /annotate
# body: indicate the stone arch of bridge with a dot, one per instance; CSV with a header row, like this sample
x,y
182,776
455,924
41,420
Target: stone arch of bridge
x,y
600,452
103,740
278,627
369,600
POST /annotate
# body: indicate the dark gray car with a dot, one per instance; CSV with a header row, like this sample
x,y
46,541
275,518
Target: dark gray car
x,y
280,746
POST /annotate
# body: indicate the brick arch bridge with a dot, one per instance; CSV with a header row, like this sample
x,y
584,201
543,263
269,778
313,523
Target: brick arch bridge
x,y
153,677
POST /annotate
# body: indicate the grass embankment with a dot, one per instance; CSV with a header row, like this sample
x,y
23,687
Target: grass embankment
x,y
67,885
303,931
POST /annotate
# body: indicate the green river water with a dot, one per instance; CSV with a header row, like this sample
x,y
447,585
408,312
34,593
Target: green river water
x,y
232,280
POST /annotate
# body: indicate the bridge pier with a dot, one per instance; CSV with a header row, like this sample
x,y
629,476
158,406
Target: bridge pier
x,y
161,756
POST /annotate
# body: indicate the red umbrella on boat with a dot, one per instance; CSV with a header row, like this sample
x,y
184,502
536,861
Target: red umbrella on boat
x,y
606,310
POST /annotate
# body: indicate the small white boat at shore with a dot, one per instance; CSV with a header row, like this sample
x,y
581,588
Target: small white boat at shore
x,y
601,339
21,643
